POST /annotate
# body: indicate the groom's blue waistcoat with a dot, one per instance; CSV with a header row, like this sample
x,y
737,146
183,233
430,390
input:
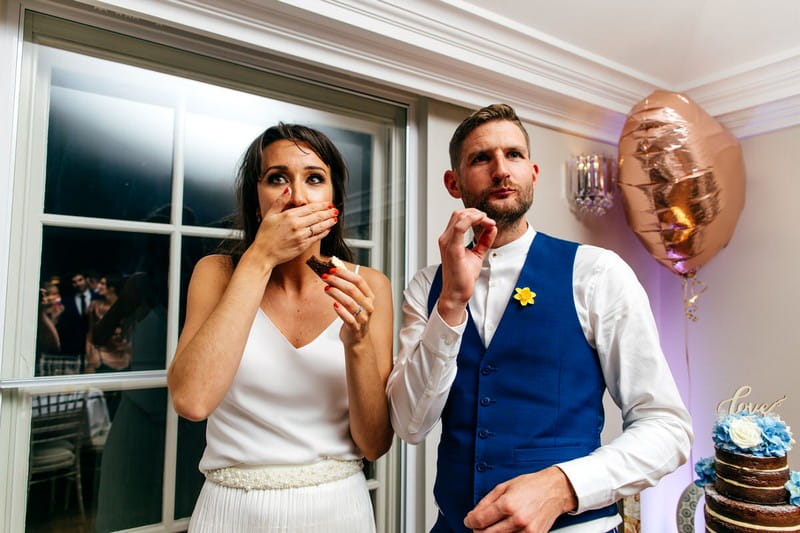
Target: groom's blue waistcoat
x,y
532,399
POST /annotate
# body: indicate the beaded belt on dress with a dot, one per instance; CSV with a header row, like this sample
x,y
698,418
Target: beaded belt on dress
x,y
284,476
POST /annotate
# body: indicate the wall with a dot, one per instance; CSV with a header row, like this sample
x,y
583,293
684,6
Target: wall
x,y
746,316
748,313
551,214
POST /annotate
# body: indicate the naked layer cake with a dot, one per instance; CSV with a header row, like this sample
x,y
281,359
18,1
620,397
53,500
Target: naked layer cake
x,y
748,485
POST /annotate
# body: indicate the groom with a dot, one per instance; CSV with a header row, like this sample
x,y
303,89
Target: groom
x,y
512,341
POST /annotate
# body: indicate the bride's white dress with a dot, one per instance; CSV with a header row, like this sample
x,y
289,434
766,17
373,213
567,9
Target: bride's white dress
x,y
286,406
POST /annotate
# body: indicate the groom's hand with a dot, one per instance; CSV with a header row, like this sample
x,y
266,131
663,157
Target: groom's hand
x,y
529,503
461,266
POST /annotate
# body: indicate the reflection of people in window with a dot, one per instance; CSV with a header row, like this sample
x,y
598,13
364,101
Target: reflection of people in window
x,y
138,314
50,308
131,471
51,301
93,281
73,324
114,354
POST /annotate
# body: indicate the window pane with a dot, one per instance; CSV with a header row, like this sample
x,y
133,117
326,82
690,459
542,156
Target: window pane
x,y
356,148
361,256
107,156
194,249
188,478
214,149
96,458
103,303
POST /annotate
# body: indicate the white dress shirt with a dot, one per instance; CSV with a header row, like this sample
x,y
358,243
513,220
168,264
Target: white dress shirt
x,y
614,313
84,298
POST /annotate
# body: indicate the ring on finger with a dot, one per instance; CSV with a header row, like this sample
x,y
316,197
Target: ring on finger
x,y
357,311
310,231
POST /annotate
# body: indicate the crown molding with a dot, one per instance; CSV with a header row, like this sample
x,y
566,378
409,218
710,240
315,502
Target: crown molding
x,y
453,51
764,118
754,85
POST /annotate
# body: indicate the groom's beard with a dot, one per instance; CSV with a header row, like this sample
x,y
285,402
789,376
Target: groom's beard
x,y
504,216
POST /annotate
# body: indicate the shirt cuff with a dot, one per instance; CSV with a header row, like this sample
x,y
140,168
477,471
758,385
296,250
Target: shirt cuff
x,y
589,479
442,338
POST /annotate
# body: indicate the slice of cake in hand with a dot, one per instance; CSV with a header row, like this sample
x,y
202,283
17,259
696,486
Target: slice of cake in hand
x,y
321,267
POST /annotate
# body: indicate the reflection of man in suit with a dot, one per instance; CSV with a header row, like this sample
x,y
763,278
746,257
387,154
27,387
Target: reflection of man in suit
x,y
74,324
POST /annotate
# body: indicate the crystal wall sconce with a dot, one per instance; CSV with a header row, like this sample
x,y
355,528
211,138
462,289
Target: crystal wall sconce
x,y
592,182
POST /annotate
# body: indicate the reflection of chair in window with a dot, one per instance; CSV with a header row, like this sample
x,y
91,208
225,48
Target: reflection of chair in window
x,y
58,429
59,365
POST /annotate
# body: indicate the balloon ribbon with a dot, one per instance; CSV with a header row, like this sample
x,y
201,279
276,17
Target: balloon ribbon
x,y
692,289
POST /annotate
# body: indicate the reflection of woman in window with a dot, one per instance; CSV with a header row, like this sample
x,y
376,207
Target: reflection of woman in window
x,y
50,309
132,460
288,367
51,299
114,353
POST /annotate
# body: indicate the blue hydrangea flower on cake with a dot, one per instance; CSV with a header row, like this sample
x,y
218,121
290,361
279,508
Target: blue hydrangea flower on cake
x,y
753,434
747,484
706,472
793,486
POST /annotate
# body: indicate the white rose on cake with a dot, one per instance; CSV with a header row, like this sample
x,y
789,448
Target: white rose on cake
x,y
745,433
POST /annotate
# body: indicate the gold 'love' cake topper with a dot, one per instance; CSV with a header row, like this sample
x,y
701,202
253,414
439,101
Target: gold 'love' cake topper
x,y
735,404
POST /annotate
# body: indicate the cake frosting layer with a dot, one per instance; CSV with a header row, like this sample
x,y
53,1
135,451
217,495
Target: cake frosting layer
x,y
750,494
753,477
726,515
751,462
750,478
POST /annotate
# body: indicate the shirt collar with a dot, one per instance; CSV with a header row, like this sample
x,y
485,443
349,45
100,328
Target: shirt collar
x,y
520,245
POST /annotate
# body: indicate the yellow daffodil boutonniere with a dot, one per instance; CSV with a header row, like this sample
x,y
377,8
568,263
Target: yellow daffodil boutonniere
x,y
525,296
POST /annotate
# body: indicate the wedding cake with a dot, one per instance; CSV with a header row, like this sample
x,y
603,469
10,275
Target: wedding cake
x,y
748,484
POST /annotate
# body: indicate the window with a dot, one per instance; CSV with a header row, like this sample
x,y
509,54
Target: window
x,y
125,180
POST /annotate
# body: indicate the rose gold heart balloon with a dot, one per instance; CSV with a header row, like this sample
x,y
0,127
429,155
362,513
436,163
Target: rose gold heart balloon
x,y
681,179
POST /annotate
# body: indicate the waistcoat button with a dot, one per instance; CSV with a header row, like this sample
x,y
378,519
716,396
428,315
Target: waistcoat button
x,y
483,434
481,467
486,401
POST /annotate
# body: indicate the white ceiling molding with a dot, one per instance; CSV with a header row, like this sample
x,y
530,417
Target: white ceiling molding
x,y
757,85
764,118
450,50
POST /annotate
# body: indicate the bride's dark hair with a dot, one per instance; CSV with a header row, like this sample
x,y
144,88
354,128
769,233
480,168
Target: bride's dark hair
x,y
250,171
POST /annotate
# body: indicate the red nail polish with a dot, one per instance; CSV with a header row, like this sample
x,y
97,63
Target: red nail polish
x,y
335,305
335,211
324,276
330,206
331,271
335,220
327,287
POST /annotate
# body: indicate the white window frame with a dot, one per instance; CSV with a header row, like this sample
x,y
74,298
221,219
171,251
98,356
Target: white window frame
x,y
17,367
